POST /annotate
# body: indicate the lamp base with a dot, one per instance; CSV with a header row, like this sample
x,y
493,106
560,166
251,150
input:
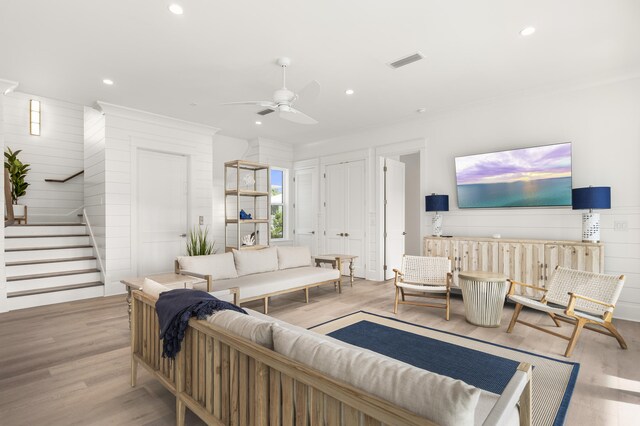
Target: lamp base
x,y
437,225
590,227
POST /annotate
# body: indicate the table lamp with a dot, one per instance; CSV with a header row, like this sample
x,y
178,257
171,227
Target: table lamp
x,y
593,197
437,203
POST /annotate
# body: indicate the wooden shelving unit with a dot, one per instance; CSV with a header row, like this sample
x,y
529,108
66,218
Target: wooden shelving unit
x,y
260,197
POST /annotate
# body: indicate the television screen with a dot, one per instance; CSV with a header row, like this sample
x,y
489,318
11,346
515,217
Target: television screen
x,y
527,177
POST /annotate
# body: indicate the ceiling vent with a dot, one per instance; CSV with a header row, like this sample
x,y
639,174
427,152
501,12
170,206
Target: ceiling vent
x,y
265,111
414,57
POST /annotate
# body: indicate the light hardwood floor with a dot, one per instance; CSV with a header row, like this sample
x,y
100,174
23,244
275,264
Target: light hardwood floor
x,y
68,364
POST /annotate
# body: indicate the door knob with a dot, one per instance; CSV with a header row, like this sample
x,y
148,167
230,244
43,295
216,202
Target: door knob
x,y
313,232
183,235
346,234
404,233
340,234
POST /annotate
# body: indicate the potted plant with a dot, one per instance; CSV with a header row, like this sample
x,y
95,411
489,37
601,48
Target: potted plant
x,y
198,243
17,173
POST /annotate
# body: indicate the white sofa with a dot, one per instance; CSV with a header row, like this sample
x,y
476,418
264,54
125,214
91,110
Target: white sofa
x,y
386,388
259,274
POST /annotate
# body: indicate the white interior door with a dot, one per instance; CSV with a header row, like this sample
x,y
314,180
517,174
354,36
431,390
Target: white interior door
x,y
162,210
355,215
394,194
305,208
335,198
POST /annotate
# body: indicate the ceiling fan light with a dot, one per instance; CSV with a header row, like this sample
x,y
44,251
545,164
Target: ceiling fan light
x,y
176,9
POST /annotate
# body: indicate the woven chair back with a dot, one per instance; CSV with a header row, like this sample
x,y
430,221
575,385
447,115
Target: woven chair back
x,y
605,288
425,270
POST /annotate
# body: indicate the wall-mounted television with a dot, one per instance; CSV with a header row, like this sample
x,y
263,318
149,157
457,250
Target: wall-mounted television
x,y
539,176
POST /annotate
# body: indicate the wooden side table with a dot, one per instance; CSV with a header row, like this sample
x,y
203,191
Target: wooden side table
x,y
170,280
336,260
483,294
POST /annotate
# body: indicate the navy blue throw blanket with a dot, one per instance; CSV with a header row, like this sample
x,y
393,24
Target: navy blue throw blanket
x,y
174,309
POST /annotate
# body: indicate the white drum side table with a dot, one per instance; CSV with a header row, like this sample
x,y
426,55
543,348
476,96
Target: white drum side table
x,y
483,294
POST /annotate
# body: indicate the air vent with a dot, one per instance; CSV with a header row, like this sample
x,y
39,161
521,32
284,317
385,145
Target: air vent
x,y
265,111
407,60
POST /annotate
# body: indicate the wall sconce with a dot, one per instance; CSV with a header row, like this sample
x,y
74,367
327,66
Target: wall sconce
x,y
34,117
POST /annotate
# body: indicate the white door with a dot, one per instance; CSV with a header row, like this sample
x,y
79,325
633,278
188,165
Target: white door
x,y
355,215
345,212
162,210
305,208
335,198
394,215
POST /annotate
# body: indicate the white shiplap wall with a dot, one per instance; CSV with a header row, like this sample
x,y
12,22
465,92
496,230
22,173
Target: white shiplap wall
x,y
602,122
94,175
56,154
127,130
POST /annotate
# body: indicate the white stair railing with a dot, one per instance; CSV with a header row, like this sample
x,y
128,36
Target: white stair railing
x,y
96,250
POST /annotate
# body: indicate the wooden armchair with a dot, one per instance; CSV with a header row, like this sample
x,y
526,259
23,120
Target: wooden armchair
x,y
584,299
428,277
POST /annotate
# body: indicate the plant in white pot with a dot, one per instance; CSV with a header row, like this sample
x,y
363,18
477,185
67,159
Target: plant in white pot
x,y
17,173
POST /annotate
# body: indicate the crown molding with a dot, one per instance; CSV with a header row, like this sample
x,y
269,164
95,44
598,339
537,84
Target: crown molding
x,y
7,86
108,109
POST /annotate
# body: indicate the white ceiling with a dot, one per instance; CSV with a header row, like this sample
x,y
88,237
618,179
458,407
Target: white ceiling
x,y
224,51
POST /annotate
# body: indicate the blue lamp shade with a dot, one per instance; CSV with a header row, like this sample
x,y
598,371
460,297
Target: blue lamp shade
x,y
436,203
593,197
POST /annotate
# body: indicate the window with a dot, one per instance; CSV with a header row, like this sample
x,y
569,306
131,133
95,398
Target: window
x,y
278,203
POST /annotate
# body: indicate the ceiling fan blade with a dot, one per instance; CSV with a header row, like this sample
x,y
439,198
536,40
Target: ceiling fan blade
x,y
266,104
297,116
310,92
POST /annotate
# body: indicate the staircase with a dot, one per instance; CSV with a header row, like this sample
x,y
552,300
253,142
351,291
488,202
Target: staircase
x,y
50,263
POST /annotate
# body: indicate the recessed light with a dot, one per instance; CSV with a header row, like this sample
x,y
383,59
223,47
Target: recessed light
x,y
421,110
349,92
527,31
258,122
108,82
176,9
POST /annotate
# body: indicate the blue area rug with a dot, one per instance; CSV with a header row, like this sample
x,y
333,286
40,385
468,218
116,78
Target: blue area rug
x,y
485,365
479,369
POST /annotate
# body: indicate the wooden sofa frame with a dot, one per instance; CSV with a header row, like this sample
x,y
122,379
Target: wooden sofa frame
x,y
228,380
264,297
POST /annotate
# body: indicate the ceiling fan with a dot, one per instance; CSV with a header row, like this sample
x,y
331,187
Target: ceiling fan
x,y
283,99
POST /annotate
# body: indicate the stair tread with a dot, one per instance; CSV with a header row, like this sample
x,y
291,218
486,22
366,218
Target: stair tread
x,y
47,224
47,248
54,289
38,262
46,236
51,274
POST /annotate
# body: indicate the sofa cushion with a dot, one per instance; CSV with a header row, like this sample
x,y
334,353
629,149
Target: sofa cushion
x,y
250,327
293,257
256,285
153,288
441,399
219,266
256,261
